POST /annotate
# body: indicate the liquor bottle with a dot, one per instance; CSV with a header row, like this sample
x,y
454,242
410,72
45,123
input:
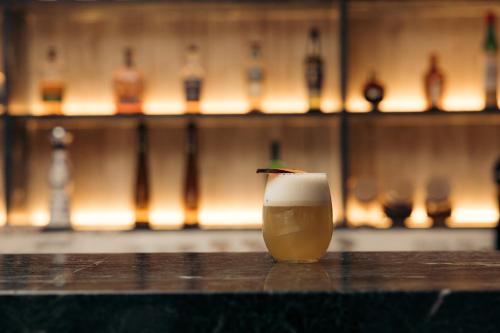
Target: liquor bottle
x,y
255,77
438,203
52,83
191,185
373,92
128,84
142,180
59,181
491,66
275,162
314,71
434,85
193,79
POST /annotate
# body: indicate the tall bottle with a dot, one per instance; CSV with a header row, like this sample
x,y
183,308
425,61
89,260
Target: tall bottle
x,y
314,71
128,84
255,77
193,79
275,161
434,85
142,180
191,181
52,84
59,181
491,64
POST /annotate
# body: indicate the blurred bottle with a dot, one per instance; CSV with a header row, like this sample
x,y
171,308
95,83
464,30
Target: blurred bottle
x,y
437,202
314,71
191,181
142,180
2,88
59,181
255,77
128,85
434,85
192,74
365,192
275,161
373,91
52,84
491,66
398,203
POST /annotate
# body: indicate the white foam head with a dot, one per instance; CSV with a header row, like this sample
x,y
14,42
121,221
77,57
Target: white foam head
x,y
297,189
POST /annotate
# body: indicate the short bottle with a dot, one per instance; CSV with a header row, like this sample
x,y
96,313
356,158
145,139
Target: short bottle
x,y
192,74
373,92
142,180
314,71
52,83
255,78
490,47
434,85
191,178
59,181
128,83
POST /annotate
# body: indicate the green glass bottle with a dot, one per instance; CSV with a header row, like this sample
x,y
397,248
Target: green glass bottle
x,y
275,162
491,66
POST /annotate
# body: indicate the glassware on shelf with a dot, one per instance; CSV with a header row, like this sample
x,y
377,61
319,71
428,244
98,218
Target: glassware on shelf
x,y
52,83
373,91
365,192
128,84
191,182
297,216
437,202
398,203
193,74
490,47
255,78
142,179
434,85
314,71
59,181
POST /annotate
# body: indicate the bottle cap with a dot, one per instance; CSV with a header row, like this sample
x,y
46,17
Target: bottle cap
x,y
314,33
490,17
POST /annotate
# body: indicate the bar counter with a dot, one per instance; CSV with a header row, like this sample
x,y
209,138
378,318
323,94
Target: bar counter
x,y
248,292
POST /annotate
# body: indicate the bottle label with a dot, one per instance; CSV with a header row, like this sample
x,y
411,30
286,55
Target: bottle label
x,y
491,69
373,94
52,94
255,74
59,208
192,86
435,91
314,74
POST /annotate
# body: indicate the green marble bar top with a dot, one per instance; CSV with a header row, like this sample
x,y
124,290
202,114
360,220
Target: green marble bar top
x,y
249,292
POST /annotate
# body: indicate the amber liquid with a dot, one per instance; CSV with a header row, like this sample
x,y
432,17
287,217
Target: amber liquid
x,y
52,93
297,233
191,193
142,182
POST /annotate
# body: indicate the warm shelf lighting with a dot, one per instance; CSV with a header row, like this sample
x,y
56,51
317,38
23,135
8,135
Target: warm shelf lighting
x,y
166,218
474,217
230,218
177,107
465,102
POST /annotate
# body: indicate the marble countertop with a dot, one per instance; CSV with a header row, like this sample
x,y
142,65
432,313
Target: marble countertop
x,y
224,292
345,272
